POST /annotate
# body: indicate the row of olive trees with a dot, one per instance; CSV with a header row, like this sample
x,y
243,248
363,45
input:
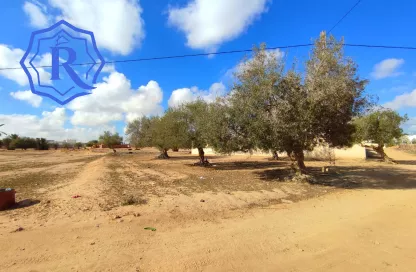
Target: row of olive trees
x,y
14,141
275,109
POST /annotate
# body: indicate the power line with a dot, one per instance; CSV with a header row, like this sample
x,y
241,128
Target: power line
x,y
222,53
345,15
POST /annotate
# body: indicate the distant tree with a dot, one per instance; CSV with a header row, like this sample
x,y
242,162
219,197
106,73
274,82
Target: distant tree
x,y
78,145
42,144
7,142
66,145
55,146
168,132
24,142
380,127
404,140
139,131
1,143
92,143
193,119
414,141
109,139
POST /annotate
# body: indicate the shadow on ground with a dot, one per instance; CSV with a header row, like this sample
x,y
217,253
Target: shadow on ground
x,y
24,204
363,177
249,165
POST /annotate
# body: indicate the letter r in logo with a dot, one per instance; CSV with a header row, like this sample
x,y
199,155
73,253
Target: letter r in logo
x,y
72,56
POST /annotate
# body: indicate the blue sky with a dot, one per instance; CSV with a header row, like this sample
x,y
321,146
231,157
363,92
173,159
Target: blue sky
x,y
128,29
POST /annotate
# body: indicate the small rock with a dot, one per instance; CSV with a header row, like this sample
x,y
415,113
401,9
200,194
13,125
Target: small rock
x,y
202,200
136,214
287,201
93,243
18,229
117,217
120,221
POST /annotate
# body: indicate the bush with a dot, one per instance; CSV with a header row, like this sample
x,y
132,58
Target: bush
x,y
131,200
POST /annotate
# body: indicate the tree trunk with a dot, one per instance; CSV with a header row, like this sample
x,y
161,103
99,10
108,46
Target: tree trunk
x,y
300,160
201,154
380,150
164,154
275,155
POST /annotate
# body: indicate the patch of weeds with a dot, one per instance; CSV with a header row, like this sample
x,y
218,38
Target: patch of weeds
x,y
28,184
131,200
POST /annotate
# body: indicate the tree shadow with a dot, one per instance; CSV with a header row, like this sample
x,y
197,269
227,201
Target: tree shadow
x,y
402,162
353,177
248,165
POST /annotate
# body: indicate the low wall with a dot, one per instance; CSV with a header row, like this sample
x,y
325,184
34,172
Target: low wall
x,y
320,152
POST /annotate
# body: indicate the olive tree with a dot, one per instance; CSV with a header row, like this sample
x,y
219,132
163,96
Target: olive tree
x,y
282,111
381,127
110,140
139,131
166,132
194,119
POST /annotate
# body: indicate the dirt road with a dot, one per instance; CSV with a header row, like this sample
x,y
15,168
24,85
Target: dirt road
x,y
347,230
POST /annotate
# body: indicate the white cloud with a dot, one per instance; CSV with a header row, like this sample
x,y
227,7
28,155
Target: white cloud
x,y
36,12
117,24
28,96
387,68
401,101
184,95
50,126
114,100
10,58
209,23
410,127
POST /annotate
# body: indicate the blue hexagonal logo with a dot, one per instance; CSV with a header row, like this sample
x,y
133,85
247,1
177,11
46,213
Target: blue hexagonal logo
x,y
62,62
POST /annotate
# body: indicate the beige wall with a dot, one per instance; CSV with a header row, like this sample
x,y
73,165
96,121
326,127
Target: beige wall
x,y
355,152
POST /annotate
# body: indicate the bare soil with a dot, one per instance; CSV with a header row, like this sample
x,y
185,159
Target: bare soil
x,y
86,211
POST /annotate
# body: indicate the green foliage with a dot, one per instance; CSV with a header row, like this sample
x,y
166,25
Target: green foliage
x,y
270,109
109,139
92,143
14,141
78,145
165,132
41,144
380,127
66,145
7,142
139,131
414,141
169,131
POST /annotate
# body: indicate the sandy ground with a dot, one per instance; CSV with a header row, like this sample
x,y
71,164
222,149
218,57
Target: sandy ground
x,y
236,216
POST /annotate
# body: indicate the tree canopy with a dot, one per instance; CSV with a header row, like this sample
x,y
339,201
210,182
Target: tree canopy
x,y
381,127
109,139
271,109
